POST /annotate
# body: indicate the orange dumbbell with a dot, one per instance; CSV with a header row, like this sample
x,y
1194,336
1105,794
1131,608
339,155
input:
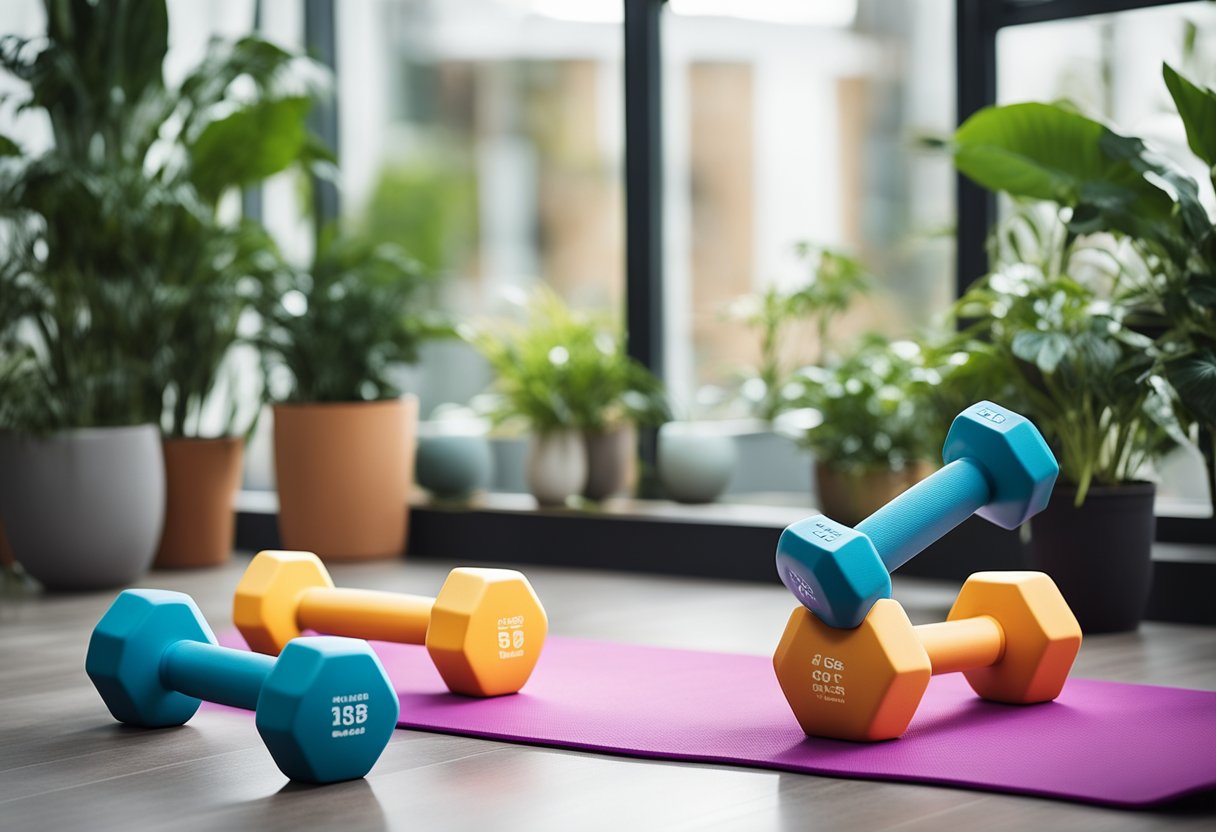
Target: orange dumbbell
x,y
484,631
1010,633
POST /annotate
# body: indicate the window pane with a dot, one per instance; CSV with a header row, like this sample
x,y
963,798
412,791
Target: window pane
x,y
486,136
788,122
1109,66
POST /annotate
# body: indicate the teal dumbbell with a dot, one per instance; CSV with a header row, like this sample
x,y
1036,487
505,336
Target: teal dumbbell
x,y
997,466
325,707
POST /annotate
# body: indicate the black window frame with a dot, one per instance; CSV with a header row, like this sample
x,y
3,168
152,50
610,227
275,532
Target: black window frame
x,y
977,24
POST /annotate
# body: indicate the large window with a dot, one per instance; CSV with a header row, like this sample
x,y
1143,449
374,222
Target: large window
x,y
486,136
792,122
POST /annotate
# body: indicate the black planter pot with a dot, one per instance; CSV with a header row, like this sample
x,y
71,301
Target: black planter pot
x,y
1100,555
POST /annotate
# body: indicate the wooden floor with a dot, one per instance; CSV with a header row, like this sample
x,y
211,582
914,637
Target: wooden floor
x,y
65,764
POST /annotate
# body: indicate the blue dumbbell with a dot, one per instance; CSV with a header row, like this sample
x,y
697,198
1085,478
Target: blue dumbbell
x,y
325,707
997,466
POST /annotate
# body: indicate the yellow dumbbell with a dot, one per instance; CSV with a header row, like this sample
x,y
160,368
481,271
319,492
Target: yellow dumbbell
x,y
484,631
1010,633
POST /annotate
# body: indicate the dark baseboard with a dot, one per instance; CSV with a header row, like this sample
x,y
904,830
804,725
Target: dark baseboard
x,y
731,548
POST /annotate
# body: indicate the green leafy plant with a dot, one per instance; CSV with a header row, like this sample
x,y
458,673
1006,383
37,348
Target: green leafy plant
x,y
875,404
561,369
1059,350
126,289
835,280
339,328
1108,182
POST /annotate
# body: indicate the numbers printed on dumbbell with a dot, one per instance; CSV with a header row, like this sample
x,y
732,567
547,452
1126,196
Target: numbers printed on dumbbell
x,y
475,630
997,465
153,659
1010,633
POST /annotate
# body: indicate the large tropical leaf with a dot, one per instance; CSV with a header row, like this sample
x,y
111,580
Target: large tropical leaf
x,y
1197,106
249,145
1194,377
1042,151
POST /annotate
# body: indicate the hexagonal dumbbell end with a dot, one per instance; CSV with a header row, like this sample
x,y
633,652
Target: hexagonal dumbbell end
x,y
861,684
1041,635
486,631
834,570
1020,468
267,601
123,658
997,465
327,709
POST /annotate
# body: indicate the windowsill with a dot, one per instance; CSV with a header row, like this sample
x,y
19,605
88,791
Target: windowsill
x,y
733,541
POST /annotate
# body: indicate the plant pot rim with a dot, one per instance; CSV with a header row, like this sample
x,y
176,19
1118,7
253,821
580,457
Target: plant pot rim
x,y
1118,489
86,433
403,398
203,440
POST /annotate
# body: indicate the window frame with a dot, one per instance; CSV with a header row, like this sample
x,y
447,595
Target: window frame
x,y
977,23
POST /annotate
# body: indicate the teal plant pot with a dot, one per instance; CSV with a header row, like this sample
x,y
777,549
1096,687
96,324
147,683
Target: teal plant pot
x,y
454,467
695,464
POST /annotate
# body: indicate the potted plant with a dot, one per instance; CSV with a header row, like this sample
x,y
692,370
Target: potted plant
x,y
875,434
344,435
566,376
126,241
81,472
1113,375
835,281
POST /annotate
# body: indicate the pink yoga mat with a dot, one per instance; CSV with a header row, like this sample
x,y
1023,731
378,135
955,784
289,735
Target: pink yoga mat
x,y
1100,742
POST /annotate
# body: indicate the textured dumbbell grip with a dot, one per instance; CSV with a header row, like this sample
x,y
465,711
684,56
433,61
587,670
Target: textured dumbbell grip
x,y
215,674
366,613
963,644
925,512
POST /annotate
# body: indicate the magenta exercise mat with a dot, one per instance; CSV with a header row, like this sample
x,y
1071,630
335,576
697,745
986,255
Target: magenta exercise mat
x,y
1100,742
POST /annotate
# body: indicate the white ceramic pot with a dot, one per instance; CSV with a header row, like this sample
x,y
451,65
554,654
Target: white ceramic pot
x,y
695,463
83,509
557,466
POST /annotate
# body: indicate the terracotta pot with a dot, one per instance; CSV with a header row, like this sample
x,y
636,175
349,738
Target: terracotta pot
x,y
611,462
201,479
1101,554
557,466
83,509
344,473
849,495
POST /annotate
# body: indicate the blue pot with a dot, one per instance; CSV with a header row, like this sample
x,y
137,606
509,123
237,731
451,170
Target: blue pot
x,y
453,467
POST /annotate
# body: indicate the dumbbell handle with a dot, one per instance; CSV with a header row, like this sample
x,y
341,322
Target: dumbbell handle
x,y
962,644
925,512
215,674
365,613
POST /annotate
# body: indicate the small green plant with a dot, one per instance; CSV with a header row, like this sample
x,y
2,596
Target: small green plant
x,y
1106,182
835,280
562,369
337,330
876,404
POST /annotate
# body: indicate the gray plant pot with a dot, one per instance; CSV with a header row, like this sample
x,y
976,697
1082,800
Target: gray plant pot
x,y
453,467
695,466
611,466
557,466
83,509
